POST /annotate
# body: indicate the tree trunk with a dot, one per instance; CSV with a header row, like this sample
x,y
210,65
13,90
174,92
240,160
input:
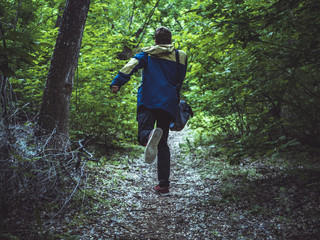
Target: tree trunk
x,y
4,124
54,110
59,17
4,121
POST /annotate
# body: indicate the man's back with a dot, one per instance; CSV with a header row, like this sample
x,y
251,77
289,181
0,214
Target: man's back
x,y
158,89
160,78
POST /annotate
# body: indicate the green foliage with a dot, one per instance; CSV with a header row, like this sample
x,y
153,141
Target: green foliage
x,y
110,39
253,73
253,79
28,39
8,236
95,110
16,43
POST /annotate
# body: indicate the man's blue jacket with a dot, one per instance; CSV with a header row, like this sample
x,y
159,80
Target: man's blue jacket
x,y
158,89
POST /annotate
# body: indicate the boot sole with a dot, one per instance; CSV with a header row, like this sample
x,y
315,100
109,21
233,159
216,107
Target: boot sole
x,y
151,150
161,194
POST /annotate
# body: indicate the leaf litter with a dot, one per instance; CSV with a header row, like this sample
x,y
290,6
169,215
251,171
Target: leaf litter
x,y
203,202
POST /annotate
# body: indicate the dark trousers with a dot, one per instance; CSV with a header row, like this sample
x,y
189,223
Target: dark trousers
x,y
146,120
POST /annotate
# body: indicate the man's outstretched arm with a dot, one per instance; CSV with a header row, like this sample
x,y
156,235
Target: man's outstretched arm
x,y
137,62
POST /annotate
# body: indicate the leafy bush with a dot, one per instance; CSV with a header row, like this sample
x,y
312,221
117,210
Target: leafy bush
x,y
254,72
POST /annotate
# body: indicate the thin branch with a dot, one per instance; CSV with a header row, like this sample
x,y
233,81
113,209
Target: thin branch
x,y
146,23
42,22
283,46
83,149
17,16
310,92
71,195
3,37
177,21
131,17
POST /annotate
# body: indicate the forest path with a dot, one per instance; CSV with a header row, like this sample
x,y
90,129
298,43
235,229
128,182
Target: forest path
x,y
133,211
209,199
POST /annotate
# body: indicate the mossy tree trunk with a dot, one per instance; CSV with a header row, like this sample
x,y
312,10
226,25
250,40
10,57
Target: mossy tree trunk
x,y
54,110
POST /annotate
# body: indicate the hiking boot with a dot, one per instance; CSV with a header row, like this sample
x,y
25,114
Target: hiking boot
x,y
163,191
151,150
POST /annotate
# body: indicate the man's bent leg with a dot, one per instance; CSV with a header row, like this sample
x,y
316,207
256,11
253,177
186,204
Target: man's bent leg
x,y
146,120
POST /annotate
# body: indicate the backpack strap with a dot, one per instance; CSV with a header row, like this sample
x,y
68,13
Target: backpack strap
x,y
178,80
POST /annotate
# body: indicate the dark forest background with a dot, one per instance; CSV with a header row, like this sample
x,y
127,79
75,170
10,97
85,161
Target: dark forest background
x,y
253,82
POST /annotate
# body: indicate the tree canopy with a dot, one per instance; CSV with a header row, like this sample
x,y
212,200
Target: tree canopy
x,y
253,75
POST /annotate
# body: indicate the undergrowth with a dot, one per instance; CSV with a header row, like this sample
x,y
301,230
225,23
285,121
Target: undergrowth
x,y
283,187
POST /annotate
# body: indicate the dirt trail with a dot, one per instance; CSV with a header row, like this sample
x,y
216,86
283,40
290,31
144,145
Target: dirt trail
x,y
141,214
200,206
209,199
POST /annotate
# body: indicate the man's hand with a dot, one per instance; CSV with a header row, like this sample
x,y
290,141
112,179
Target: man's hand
x,y
114,88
